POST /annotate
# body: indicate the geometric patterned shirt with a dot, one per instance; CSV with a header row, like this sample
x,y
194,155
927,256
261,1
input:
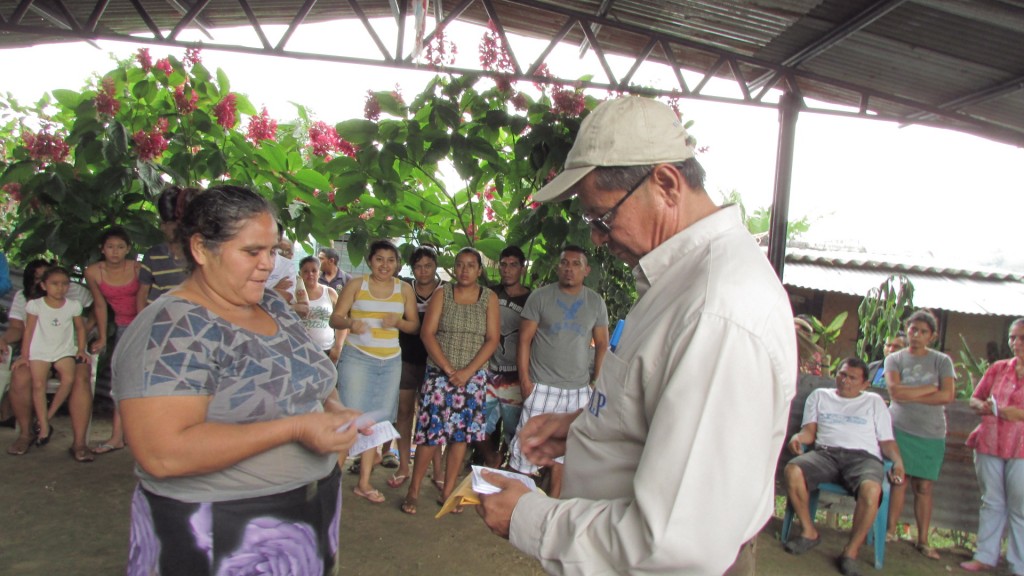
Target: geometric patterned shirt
x,y
178,348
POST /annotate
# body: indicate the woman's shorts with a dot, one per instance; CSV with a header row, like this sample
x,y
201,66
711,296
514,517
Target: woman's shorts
x,y
297,530
412,376
367,383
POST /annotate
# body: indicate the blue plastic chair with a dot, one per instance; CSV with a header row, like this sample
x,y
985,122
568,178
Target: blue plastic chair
x,y
876,536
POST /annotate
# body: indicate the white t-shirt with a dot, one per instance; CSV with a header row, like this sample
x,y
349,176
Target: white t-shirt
x,y
76,292
853,423
283,268
54,335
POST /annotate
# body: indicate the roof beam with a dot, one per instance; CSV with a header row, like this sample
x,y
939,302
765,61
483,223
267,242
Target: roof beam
x,y
493,15
602,11
299,18
439,25
600,54
369,28
255,23
835,36
147,19
20,11
551,46
97,13
981,96
188,16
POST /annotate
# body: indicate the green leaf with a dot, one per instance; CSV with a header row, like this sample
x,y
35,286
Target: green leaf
x,y
115,145
491,247
144,89
68,98
390,104
357,131
223,84
244,105
313,180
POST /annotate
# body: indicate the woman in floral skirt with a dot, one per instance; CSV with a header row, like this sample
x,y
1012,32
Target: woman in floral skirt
x,y
460,332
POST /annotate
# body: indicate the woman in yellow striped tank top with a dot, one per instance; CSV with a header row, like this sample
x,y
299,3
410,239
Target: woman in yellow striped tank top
x,y
373,308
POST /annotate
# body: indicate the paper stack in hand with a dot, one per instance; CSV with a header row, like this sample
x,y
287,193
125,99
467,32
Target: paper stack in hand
x,y
466,493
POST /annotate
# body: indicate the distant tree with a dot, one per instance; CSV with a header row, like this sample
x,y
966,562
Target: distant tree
x,y
759,221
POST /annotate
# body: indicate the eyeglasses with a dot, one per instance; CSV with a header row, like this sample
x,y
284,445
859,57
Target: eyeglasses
x,y
602,223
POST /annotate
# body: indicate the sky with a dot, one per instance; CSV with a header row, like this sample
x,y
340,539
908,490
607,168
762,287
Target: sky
x,y
917,194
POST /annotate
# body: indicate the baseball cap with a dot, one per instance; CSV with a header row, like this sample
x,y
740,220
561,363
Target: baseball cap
x,y
628,131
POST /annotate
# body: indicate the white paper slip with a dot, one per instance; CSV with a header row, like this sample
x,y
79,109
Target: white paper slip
x,y
380,433
364,420
995,407
481,486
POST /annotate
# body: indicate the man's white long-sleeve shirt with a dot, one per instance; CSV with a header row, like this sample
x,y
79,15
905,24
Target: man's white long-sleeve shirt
x,y
671,468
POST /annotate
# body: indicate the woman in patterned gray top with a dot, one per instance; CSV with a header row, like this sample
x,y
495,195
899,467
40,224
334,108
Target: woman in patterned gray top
x,y
230,410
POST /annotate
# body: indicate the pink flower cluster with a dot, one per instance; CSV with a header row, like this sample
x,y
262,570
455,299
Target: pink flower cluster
x,y
45,147
371,110
367,214
151,144
324,139
186,104
440,51
261,127
567,102
494,57
13,189
192,56
226,111
106,103
165,65
145,60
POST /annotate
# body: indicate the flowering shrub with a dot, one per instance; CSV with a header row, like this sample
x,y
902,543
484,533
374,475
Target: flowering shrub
x,y
387,174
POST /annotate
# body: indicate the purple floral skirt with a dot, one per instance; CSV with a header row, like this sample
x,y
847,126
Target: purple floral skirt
x,y
295,532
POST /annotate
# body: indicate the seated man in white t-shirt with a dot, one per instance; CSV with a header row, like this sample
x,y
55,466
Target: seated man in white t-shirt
x,y
851,430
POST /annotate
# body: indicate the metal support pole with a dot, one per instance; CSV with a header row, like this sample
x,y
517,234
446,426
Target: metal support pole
x,y
789,109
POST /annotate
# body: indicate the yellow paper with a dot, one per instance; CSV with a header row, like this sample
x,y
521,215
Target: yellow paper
x,y
461,496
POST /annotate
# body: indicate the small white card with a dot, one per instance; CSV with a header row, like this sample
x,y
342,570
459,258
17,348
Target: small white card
x,y
481,486
995,407
380,433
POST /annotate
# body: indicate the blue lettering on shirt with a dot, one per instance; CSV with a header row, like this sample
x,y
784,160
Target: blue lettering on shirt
x,y
597,402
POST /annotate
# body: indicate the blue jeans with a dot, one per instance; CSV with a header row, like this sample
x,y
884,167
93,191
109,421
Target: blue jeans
x,y
369,384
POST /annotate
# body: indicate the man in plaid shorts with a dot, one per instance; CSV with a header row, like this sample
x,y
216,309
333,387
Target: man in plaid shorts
x,y
559,322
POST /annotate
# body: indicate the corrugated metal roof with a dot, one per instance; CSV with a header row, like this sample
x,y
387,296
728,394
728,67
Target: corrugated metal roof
x,y
967,291
948,63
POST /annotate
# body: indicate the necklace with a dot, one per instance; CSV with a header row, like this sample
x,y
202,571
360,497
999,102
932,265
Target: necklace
x,y
433,286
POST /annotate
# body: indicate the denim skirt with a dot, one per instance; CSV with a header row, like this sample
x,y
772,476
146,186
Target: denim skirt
x,y
367,383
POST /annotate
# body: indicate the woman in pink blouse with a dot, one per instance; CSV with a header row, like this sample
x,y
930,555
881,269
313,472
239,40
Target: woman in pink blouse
x,y
998,444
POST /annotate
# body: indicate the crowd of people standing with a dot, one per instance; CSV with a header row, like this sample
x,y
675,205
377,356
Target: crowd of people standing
x,y
240,377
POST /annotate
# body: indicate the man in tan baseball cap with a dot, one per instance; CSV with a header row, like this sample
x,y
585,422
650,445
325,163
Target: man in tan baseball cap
x,y
670,469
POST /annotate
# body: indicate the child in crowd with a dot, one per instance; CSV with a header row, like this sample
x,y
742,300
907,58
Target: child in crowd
x,y
54,338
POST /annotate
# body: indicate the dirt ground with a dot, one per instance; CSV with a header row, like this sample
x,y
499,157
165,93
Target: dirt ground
x,y
61,517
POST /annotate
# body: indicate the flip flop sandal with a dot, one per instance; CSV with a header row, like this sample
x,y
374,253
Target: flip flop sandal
x,y
409,505
21,446
397,480
799,545
373,496
389,461
928,552
44,441
106,448
82,455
